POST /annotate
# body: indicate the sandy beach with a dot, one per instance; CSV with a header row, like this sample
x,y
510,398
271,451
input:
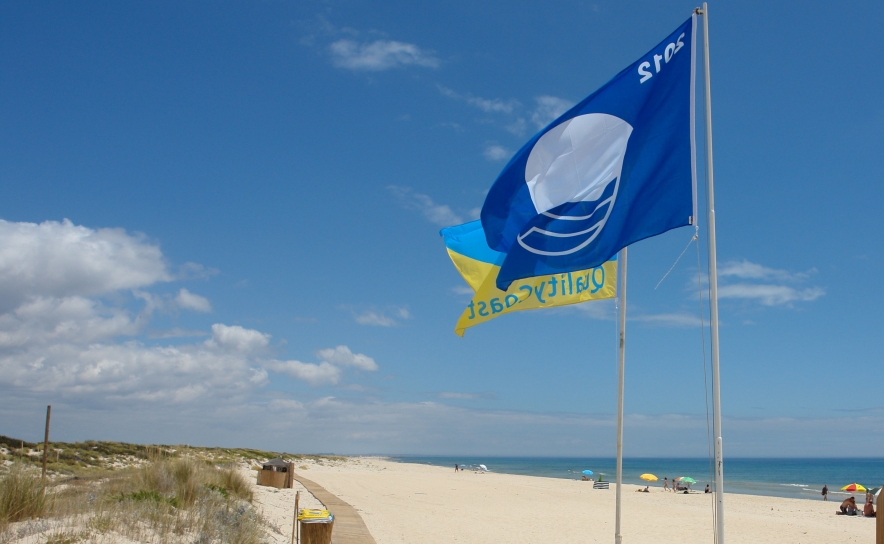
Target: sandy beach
x,y
410,503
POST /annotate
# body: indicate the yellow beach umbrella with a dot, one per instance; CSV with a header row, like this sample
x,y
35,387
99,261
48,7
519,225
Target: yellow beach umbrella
x,y
649,477
853,487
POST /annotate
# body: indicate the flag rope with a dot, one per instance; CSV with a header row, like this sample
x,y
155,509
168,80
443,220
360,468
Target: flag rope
x,y
694,237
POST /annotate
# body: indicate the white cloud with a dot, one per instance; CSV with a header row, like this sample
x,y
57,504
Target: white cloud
x,y
669,319
749,270
512,112
494,105
518,127
237,339
374,318
177,332
496,152
382,319
598,309
379,55
59,341
44,321
53,259
780,287
109,373
438,214
462,290
342,356
195,271
191,301
285,405
770,295
454,395
314,374
606,310
487,105
548,108
358,427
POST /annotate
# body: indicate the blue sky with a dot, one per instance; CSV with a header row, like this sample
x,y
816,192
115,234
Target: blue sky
x,y
220,226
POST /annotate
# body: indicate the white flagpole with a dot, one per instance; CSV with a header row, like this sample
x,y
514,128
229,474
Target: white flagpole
x,y
713,296
621,285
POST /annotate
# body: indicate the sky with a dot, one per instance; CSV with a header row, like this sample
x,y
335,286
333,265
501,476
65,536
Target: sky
x,y
219,226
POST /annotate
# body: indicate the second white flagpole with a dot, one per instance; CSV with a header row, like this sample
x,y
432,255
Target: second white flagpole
x,y
621,285
713,296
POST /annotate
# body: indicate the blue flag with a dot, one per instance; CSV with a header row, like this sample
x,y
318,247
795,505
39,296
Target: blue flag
x,y
616,168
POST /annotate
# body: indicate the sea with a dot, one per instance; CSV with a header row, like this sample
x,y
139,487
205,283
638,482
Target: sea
x,y
799,478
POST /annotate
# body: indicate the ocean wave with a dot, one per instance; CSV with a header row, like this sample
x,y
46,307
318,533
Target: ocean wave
x,y
795,485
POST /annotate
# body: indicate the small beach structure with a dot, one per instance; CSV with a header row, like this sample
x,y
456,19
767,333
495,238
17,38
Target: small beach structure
x,y
316,526
276,473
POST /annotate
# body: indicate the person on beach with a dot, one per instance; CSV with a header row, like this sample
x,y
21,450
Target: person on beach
x,y
707,489
869,509
825,492
848,507
665,484
456,468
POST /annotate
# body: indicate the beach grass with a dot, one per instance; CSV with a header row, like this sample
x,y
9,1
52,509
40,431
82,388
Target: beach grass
x,y
22,495
165,500
99,491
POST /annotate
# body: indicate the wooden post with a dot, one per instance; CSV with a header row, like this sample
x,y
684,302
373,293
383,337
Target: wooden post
x,y
46,440
879,520
295,521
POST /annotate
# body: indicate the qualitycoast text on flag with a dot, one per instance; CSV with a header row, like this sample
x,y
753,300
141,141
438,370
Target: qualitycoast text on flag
x,y
616,168
479,266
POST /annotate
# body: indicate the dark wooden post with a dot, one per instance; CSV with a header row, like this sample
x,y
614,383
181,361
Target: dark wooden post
x,y
295,521
46,440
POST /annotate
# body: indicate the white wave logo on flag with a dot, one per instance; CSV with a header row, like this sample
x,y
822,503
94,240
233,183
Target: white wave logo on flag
x,y
573,174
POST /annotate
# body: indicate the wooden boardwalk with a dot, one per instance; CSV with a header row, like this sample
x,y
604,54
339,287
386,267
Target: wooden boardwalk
x,y
349,527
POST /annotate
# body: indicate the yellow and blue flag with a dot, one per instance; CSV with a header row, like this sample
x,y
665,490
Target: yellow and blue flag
x,y
479,266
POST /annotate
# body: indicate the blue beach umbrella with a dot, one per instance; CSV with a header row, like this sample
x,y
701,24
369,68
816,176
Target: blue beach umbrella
x,y
587,472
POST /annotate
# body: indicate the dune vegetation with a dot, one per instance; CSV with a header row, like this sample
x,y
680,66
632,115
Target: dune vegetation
x,y
116,492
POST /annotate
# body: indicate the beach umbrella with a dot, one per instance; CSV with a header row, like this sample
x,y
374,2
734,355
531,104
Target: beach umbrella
x,y
483,467
588,472
649,477
875,491
853,487
686,479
